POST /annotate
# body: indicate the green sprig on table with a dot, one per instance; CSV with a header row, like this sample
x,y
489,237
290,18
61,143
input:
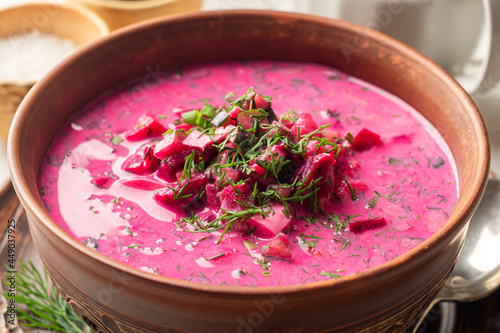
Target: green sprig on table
x,y
39,305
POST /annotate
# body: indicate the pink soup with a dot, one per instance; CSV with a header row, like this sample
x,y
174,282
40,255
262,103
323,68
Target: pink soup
x,y
249,174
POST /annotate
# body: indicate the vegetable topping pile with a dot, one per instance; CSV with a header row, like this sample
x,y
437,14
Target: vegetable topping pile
x,y
256,172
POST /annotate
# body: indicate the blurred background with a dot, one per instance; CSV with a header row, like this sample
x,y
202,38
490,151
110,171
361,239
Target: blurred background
x,y
462,36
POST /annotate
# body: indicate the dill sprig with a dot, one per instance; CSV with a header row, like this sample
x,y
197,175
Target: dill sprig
x,y
229,217
198,225
44,308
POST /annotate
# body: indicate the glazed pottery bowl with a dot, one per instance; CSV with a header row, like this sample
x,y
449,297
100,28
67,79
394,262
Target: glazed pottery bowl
x,y
111,296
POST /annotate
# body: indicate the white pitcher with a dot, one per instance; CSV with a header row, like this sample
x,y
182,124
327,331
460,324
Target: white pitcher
x,y
462,36
447,31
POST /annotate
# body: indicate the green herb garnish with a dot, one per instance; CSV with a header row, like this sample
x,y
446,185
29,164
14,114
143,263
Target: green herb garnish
x,y
329,274
116,140
45,308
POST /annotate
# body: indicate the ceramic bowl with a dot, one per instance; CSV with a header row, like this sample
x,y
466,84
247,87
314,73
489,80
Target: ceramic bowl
x,y
112,297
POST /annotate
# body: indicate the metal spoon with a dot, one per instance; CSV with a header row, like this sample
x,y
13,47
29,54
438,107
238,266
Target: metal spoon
x,y
477,271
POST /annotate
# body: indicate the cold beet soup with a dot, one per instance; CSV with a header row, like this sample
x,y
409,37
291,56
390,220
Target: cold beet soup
x,y
249,174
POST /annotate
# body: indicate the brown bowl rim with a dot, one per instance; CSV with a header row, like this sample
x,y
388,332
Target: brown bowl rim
x,y
30,197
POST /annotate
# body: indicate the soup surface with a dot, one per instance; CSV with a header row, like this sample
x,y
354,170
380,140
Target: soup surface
x,y
173,176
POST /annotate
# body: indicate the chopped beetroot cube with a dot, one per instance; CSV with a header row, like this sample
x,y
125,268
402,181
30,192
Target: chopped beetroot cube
x,y
276,151
171,165
222,133
263,182
184,126
314,147
247,101
230,194
287,122
209,154
315,166
248,118
271,225
183,197
201,143
216,184
279,248
195,183
171,199
212,198
179,175
304,125
168,171
233,114
227,174
198,140
232,174
171,144
361,226
142,162
258,169
347,187
282,191
103,181
342,166
326,190
147,127
227,153
142,184
260,102
341,189
365,139
279,128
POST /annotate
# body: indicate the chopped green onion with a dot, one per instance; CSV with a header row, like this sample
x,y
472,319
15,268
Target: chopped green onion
x,y
190,117
116,140
220,118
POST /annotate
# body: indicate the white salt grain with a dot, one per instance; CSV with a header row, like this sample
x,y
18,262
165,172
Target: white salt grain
x,y
26,58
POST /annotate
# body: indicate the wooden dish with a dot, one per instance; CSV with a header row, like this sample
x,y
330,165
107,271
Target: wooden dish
x,y
120,13
72,22
111,296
